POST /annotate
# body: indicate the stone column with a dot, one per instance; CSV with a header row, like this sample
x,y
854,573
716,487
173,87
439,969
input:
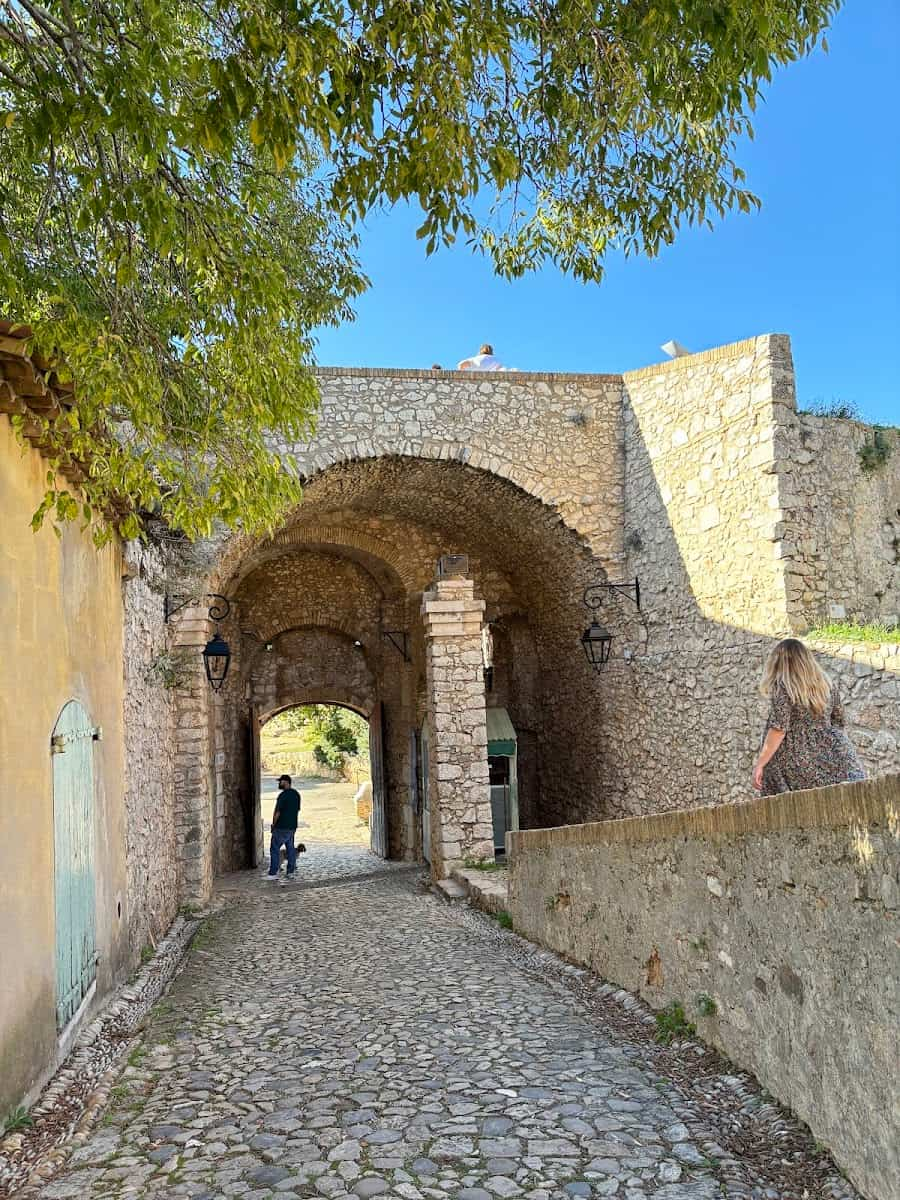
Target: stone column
x,y
194,829
458,789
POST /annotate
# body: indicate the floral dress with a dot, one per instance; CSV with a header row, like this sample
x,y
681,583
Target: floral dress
x,y
815,752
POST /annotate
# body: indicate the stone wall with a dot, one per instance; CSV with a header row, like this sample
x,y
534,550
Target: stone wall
x,y
782,912
151,672
701,531
730,522
555,436
683,474
702,517
868,676
311,666
843,554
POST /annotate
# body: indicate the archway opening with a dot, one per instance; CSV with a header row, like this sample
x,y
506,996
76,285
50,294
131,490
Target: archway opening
x,y
331,610
324,749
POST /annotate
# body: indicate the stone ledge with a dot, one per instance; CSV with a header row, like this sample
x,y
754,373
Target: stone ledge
x,y
487,890
883,656
715,354
449,889
463,376
874,801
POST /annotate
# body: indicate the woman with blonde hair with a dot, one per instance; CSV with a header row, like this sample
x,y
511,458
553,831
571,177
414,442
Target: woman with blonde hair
x,y
805,745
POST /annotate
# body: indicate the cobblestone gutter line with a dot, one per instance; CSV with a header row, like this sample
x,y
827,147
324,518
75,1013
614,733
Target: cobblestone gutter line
x,y
73,1100
740,1126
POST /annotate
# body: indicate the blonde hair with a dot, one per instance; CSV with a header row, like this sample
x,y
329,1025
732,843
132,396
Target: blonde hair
x,y
793,665
487,348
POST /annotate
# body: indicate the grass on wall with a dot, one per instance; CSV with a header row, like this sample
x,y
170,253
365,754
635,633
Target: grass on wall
x,y
850,631
847,410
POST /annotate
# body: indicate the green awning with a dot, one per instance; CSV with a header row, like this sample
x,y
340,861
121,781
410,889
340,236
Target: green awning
x,y
500,732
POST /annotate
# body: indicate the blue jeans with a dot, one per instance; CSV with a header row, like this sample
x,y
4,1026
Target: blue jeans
x,y
282,837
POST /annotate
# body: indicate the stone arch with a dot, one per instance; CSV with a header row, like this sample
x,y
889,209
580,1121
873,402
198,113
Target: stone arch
x,y
375,554
309,618
398,514
600,537
522,476
306,586
538,485
345,537
350,703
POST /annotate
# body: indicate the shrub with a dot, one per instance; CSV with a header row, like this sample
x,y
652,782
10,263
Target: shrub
x,y
706,1005
842,409
875,453
17,1119
671,1023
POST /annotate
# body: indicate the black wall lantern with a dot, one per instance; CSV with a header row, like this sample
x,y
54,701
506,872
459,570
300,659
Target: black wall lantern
x,y
216,660
597,642
596,639
216,652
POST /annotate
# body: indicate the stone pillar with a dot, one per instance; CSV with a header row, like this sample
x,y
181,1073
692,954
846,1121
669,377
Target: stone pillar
x,y
194,830
458,788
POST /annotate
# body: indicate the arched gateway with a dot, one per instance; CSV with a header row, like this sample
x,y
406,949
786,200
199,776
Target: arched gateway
x,y
435,507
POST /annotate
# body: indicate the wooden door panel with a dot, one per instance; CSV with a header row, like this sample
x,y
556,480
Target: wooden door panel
x,y
72,747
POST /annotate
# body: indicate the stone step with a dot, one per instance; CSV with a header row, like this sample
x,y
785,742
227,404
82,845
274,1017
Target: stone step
x,y
485,889
449,889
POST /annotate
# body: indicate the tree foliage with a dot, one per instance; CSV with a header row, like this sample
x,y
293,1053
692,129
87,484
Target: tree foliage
x,y
332,733
179,183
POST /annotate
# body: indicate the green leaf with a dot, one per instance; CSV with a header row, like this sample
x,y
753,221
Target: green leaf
x,y
180,195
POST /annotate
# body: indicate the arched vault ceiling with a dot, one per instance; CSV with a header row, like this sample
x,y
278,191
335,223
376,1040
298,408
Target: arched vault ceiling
x,y
460,508
333,535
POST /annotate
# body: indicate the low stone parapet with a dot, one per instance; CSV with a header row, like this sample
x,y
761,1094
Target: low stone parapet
x,y
774,924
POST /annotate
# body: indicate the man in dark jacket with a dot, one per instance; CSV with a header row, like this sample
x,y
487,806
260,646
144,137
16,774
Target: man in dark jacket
x,y
284,826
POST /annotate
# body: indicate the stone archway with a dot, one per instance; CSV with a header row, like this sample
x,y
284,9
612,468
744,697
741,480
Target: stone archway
x,y
282,751
347,590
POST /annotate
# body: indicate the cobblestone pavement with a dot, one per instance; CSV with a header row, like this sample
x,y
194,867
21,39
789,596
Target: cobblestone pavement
x,y
362,1038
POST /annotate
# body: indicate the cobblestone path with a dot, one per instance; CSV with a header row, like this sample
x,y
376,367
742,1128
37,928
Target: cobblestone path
x,y
362,1038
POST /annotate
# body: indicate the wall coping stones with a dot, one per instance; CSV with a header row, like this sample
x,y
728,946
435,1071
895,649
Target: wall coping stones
x,y
874,801
731,350
716,354
463,376
873,653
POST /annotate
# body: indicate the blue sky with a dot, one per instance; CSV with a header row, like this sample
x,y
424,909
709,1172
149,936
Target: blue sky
x,y
821,261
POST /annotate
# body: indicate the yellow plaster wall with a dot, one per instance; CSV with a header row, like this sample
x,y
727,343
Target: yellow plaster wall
x,y
60,639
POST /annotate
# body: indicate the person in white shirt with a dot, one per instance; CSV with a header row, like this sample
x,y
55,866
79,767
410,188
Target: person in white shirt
x,y
484,360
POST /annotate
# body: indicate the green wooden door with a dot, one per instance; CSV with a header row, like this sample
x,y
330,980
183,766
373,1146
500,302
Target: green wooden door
x,y
72,748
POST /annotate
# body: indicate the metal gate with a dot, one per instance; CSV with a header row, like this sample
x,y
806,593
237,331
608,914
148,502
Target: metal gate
x,y
72,750
379,825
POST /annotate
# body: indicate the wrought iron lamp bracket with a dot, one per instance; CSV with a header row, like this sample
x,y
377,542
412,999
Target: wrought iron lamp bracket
x,y
399,639
595,593
217,611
